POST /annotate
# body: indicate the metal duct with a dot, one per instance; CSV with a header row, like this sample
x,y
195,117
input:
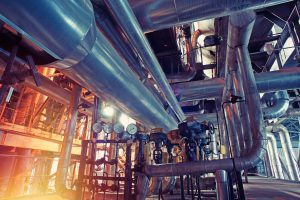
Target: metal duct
x,y
256,123
282,79
84,54
293,170
161,14
113,33
279,104
125,17
277,165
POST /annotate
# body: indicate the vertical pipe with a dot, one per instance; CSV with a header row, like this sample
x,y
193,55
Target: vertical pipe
x,y
21,172
271,161
288,152
222,185
142,187
65,155
268,170
278,167
224,151
232,132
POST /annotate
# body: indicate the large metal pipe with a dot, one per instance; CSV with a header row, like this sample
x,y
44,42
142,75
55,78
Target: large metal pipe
x,y
277,165
66,148
161,14
256,123
291,163
283,79
85,55
142,187
124,15
279,104
116,37
222,185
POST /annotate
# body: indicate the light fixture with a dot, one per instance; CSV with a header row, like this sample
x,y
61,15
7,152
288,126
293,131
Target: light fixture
x,y
108,111
125,120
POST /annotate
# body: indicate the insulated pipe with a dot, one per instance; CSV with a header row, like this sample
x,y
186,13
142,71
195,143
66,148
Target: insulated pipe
x,y
271,161
254,155
66,149
239,32
182,76
124,15
222,185
293,170
120,43
142,187
267,162
277,165
160,14
232,130
283,79
280,101
85,55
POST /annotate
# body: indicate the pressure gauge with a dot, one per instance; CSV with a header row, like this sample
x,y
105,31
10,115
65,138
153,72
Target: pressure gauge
x,y
132,129
97,127
118,128
108,128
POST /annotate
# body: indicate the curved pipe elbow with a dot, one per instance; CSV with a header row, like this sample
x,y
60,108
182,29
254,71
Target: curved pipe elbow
x,y
281,104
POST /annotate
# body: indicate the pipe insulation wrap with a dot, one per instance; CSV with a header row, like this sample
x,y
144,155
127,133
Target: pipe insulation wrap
x,y
85,55
126,19
283,79
276,165
160,14
279,104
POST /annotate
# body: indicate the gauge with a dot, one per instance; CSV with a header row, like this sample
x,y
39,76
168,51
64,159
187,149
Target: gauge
x,y
97,127
132,129
118,128
108,128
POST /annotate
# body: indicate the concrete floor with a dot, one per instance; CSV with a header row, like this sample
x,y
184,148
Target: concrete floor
x,y
271,189
258,188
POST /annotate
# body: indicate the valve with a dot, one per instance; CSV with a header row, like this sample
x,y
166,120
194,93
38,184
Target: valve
x,y
157,156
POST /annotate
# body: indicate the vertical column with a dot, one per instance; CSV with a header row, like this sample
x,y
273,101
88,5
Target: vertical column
x,y
65,155
20,178
222,185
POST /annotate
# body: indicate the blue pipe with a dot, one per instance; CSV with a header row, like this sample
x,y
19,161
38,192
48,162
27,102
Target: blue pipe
x,y
67,31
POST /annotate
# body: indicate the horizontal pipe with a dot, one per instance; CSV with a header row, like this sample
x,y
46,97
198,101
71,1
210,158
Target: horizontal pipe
x,y
125,17
161,14
283,79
